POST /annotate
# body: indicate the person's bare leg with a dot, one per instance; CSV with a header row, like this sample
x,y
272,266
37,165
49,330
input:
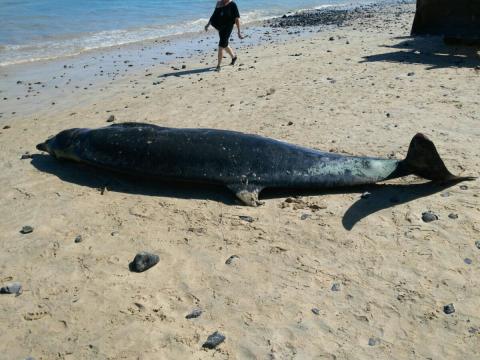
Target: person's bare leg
x,y
231,52
220,57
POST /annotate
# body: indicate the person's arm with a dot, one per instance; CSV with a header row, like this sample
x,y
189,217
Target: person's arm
x,y
237,22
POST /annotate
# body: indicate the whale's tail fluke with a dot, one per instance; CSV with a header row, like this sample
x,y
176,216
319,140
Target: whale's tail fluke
x,y
423,160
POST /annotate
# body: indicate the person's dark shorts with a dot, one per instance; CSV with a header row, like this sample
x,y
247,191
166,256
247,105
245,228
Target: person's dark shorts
x,y
225,36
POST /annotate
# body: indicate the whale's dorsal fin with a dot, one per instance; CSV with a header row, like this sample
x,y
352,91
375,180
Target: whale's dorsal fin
x,y
247,194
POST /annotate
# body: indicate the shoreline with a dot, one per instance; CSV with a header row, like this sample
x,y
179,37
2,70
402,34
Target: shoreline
x,y
97,69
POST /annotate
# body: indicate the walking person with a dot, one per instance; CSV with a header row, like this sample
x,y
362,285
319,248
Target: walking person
x,y
224,17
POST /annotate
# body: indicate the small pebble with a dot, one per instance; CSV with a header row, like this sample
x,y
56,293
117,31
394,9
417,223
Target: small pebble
x,y
365,195
143,261
473,330
214,340
78,239
336,287
194,314
410,74
304,217
453,216
27,229
246,218
26,156
316,311
373,341
464,187
13,288
467,261
449,309
429,216
290,123
477,244
111,118
231,259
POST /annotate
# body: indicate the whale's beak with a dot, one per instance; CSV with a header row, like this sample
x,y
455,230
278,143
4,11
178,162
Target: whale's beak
x,y
42,147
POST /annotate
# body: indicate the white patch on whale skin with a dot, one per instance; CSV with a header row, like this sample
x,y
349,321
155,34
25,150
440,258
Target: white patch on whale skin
x,y
370,170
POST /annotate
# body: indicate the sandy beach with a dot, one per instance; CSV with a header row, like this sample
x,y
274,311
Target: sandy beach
x,y
326,275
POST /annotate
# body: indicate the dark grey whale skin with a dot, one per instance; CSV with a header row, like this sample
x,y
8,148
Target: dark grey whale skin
x,y
244,163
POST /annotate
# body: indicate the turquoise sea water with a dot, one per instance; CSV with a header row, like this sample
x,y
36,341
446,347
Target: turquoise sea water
x,y
43,29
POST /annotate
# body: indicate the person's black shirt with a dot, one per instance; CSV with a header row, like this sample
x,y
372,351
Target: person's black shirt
x,y
224,16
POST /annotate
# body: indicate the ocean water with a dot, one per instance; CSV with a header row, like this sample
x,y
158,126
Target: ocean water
x,y
33,30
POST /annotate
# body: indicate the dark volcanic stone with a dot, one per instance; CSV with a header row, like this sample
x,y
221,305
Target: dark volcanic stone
x,y
231,259
78,239
143,261
336,287
214,340
464,187
453,216
111,118
246,218
27,229
194,314
467,261
429,216
477,244
373,341
26,156
449,309
316,311
13,288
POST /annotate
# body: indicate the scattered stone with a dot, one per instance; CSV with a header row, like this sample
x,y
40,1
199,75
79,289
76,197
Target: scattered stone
x,y
449,309
316,311
411,73
290,123
14,288
473,330
373,341
331,38
111,118
365,195
26,156
27,229
194,314
477,244
429,216
6,127
453,216
169,53
184,66
246,218
304,217
78,239
463,187
467,261
143,261
336,287
231,259
213,340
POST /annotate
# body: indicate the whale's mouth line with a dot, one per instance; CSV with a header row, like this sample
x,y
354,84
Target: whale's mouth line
x,y
42,147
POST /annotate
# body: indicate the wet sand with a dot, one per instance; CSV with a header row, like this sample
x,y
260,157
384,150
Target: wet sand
x,y
321,275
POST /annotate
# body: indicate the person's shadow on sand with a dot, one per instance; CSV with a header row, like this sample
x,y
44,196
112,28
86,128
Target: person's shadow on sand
x,y
179,73
382,196
428,50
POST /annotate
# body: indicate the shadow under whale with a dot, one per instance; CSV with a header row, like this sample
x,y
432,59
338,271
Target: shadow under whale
x,y
382,196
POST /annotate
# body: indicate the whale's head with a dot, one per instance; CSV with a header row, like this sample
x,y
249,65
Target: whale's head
x,y
61,146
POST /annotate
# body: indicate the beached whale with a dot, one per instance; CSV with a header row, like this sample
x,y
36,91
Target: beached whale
x,y
244,163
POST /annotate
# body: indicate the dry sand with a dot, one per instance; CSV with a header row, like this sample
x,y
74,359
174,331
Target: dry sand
x,y
366,92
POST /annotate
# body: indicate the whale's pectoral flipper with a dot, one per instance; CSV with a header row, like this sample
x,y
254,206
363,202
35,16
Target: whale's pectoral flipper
x,y
423,160
248,194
